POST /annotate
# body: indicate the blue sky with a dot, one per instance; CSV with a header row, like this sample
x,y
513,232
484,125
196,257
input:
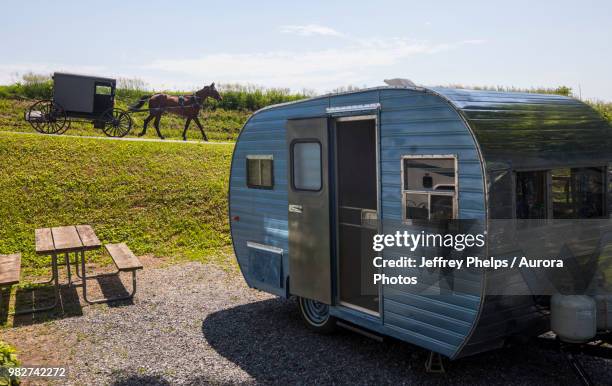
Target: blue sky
x,y
319,45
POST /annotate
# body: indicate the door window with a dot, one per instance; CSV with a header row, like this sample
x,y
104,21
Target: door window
x,y
306,160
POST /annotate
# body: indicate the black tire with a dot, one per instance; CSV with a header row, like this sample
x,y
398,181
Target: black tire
x,y
48,117
316,316
117,122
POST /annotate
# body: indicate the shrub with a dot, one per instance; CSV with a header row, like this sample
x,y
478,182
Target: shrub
x,y
131,88
8,358
35,86
605,109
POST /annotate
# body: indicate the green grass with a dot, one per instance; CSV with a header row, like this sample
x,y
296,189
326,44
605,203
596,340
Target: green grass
x,y
220,124
604,108
165,199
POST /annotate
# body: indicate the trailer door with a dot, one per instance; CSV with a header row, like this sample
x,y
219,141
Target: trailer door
x,y
309,212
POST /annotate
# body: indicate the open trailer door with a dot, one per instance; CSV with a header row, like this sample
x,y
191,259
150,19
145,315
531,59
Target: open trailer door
x,y
309,212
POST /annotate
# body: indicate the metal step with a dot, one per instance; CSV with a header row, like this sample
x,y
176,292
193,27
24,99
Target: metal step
x,y
359,330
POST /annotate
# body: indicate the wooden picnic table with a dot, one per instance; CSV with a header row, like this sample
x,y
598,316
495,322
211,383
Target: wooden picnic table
x,y
65,240
78,239
73,238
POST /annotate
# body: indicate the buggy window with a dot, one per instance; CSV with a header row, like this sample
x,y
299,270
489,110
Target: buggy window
x,y
306,165
102,89
259,170
429,187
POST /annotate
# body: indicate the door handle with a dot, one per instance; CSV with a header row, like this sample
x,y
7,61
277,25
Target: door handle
x,y
295,208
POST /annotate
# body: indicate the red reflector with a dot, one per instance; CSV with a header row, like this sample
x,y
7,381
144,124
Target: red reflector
x,y
236,218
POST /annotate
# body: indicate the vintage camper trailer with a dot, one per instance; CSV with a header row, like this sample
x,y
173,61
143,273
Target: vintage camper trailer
x,y
313,181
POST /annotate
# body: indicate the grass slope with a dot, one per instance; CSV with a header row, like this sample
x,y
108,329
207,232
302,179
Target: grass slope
x,y
166,199
220,124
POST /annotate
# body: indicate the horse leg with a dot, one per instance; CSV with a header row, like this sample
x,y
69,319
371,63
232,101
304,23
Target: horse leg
x,y
187,122
197,121
146,123
156,124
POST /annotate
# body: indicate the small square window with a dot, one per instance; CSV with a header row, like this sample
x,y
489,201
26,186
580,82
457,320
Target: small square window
x,y
103,89
260,173
429,187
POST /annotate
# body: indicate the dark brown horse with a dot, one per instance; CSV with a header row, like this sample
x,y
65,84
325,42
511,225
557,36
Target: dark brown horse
x,y
187,106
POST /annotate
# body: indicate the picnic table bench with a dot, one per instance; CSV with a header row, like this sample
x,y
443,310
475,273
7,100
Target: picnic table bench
x,y
125,261
10,267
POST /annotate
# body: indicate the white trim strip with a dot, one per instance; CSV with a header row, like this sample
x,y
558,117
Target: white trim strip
x,y
344,109
263,247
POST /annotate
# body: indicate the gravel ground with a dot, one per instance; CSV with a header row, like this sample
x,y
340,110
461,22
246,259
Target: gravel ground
x,y
196,324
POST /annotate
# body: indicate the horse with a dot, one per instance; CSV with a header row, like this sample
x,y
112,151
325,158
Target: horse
x,y
187,106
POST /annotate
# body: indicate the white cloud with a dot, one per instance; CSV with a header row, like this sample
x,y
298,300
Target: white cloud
x,y
317,69
474,41
310,30
355,61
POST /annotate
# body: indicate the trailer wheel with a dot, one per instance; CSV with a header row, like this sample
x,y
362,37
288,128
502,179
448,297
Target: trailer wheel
x,y
117,122
316,315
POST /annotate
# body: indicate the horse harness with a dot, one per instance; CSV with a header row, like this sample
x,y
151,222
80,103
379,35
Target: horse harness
x,y
195,101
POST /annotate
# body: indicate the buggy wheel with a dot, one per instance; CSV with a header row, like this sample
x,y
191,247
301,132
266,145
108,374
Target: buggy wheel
x,y
65,128
316,315
47,117
117,122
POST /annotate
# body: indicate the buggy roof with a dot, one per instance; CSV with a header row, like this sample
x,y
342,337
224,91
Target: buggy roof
x,y
95,77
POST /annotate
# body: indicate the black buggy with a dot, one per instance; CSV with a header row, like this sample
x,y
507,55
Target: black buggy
x,y
80,98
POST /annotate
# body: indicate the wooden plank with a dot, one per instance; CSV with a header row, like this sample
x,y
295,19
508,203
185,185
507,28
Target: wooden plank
x,y
44,241
88,237
124,258
66,239
10,267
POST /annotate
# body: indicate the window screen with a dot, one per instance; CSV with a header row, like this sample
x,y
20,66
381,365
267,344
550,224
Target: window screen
x,y
306,166
429,188
260,172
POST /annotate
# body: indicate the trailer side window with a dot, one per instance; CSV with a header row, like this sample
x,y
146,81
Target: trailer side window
x,y
260,172
578,192
306,165
531,196
429,188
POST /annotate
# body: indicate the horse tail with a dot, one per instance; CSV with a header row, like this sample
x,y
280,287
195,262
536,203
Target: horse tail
x,y
140,103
